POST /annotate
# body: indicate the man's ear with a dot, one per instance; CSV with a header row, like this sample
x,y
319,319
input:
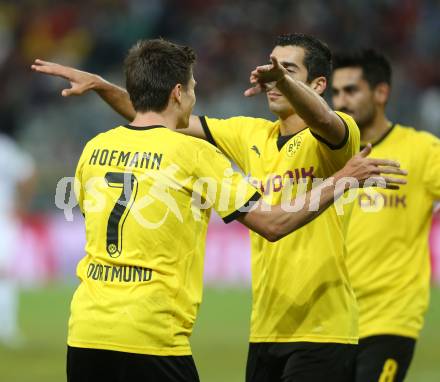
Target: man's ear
x,y
176,94
382,93
319,84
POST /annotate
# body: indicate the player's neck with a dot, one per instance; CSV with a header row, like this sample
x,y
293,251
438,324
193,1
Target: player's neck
x,y
152,118
376,129
291,124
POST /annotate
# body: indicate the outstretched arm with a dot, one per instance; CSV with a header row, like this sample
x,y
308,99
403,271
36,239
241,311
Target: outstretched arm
x,y
275,222
310,106
81,82
115,96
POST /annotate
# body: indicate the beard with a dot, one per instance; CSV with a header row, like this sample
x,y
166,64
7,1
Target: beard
x,y
364,118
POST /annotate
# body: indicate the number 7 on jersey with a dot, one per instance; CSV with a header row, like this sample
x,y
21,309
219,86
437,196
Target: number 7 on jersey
x,y
127,182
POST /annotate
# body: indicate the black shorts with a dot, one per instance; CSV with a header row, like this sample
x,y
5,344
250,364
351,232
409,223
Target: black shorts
x,y
300,362
92,365
384,358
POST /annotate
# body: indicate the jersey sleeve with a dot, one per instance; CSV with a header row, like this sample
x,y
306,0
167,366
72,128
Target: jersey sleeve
x,y
339,155
222,188
229,135
431,174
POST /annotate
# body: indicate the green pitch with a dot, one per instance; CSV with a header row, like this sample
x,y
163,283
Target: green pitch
x,y
219,341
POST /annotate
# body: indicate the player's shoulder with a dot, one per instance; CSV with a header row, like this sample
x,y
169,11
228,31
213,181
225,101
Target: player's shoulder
x,y
252,120
118,133
197,145
105,135
200,152
100,139
243,121
258,123
414,135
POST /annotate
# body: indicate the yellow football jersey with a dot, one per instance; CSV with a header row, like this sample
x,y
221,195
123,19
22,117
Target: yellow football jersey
x,y
301,289
146,195
388,254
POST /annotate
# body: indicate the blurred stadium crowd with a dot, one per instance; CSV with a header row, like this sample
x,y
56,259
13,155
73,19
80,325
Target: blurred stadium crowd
x,y
230,37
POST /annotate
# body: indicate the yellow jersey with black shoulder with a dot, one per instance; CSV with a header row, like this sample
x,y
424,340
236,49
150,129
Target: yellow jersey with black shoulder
x,y
388,253
301,288
146,194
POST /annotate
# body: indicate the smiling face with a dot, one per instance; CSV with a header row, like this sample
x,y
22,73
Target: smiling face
x,y
292,58
353,95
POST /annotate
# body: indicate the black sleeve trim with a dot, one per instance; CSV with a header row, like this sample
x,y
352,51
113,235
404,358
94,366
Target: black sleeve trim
x,y
242,210
330,145
206,130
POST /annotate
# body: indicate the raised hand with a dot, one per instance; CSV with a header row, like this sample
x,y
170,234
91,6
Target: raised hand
x,y
80,82
378,170
264,76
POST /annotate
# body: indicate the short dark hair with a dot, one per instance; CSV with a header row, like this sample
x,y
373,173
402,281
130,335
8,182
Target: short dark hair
x,y
375,66
152,69
317,58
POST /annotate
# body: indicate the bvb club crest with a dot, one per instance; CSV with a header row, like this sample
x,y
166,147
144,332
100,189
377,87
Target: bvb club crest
x,y
293,146
112,249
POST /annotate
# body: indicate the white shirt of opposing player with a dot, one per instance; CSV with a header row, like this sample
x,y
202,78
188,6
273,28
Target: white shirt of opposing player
x,y
15,166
